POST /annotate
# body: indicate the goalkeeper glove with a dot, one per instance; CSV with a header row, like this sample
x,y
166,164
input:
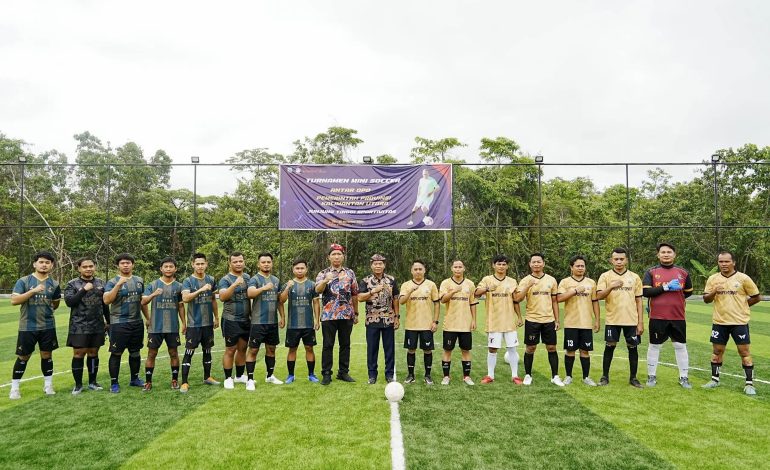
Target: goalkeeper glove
x,y
674,285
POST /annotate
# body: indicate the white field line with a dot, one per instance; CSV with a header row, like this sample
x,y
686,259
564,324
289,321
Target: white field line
x,y
396,439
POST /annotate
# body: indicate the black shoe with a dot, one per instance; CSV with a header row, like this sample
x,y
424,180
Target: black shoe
x,y
372,380
326,380
634,382
345,377
389,379
409,379
604,381
428,380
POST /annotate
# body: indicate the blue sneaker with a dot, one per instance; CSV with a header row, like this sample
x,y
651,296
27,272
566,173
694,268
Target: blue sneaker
x,y
289,379
313,378
137,382
114,388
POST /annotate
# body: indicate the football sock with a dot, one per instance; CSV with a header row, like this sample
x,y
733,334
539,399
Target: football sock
x,y
250,369
749,370
653,354
513,357
715,366
682,358
134,363
445,365
93,369
569,362
270,364
18,369
114,367
174,372
46,365
207,363
491,363
585,363
310,367
428,359
609,351
239,370
553,360
633,361
186,362
77,370
528,358
290,365
411,358
148,374
466,368
228,373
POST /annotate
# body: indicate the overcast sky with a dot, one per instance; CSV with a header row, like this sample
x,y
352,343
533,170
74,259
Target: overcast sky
x,y
610,81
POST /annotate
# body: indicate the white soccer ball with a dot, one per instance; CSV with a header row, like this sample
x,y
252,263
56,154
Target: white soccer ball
x,y
506,358
427,220
394,392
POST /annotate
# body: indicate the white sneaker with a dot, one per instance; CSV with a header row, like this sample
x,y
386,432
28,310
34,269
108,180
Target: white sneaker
x,y
242,379
589,381
567,380
273,380
229,383
250,386
468,380
445,381
557,381
527,380
48,389
15,394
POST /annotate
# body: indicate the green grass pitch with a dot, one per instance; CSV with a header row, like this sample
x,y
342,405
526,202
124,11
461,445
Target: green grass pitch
x,y
304,425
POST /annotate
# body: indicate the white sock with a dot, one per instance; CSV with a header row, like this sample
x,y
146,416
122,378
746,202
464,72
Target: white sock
x,y
15,384
491,363
48,380
682,358
513,356
653,354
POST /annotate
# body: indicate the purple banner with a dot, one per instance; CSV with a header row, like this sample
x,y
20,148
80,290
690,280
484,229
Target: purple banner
x,y
366,197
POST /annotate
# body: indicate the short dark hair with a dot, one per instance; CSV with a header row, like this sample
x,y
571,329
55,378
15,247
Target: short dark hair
x,y
662,244
167,259
45,255
265,253
83,259
620,251
500,258
726,252
234,254
424,265
198,256
458,260
298,261
124,256
542,256
575,258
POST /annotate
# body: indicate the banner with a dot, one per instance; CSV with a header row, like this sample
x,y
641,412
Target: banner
x,y
365,197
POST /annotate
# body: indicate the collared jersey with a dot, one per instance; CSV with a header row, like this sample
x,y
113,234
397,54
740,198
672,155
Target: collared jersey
x,y
620,304
540,298
37,311
200,311
300,304
337,297
236,308
126,308
87,309
578,309
501,316
458,311
731,305
264,307
420,304
164,315
668,305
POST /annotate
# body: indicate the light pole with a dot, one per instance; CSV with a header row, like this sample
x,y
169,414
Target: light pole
x,y
22,161
539,161
195,161
714,162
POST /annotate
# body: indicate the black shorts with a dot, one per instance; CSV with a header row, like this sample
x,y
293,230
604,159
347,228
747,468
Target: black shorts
x,y
465,339
533,332
26,341
199,335
232,331
85,341
419,338
578,338
293,335
126,336
155,340
661,330
720,334
612,334
267,334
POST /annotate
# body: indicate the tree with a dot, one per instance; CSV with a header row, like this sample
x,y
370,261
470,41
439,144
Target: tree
x,y
498,150
434,151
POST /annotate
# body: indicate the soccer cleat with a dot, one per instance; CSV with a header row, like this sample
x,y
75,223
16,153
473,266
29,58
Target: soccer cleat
x,y
556,380
114,388
517,380
290,379
372,380
211,381
184,388
634,382
15,394
749,390
468,381
326,380
487,380
273,380
174,384
48,389
589,381
390,379
604,381
345,377
229,383
409,379
77,390
313,378
250,386
242,379
409,224
527,380
685,383
147,387
711,384
428,380
567,380
445,380
137,382
95,386
652,381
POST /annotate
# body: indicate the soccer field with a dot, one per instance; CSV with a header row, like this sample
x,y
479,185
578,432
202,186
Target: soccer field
x,y
305,425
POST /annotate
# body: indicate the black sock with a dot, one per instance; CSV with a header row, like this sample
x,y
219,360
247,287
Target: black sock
x,y
410,360
77,370
114,367
749,370
186,361
569,361
18,369
633,361
46,366
585,363
428,359
466,368
148,373
528,359
310,367
609,351
715,366
206,363
290,365
239,370
228,373
175,373
270,364
134,363
93,369
553,360
250,369
445,365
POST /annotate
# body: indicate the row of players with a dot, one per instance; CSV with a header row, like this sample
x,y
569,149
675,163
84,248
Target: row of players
x,y
254,312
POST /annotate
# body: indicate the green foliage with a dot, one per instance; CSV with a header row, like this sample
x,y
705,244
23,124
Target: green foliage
x,y
434,151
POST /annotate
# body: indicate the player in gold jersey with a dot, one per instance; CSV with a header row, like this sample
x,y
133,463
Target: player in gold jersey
x,y
581,318
733,293
457,293
420,295
501,324
542,319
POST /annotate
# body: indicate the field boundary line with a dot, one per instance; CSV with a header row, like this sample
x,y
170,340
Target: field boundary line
x,y
396,439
